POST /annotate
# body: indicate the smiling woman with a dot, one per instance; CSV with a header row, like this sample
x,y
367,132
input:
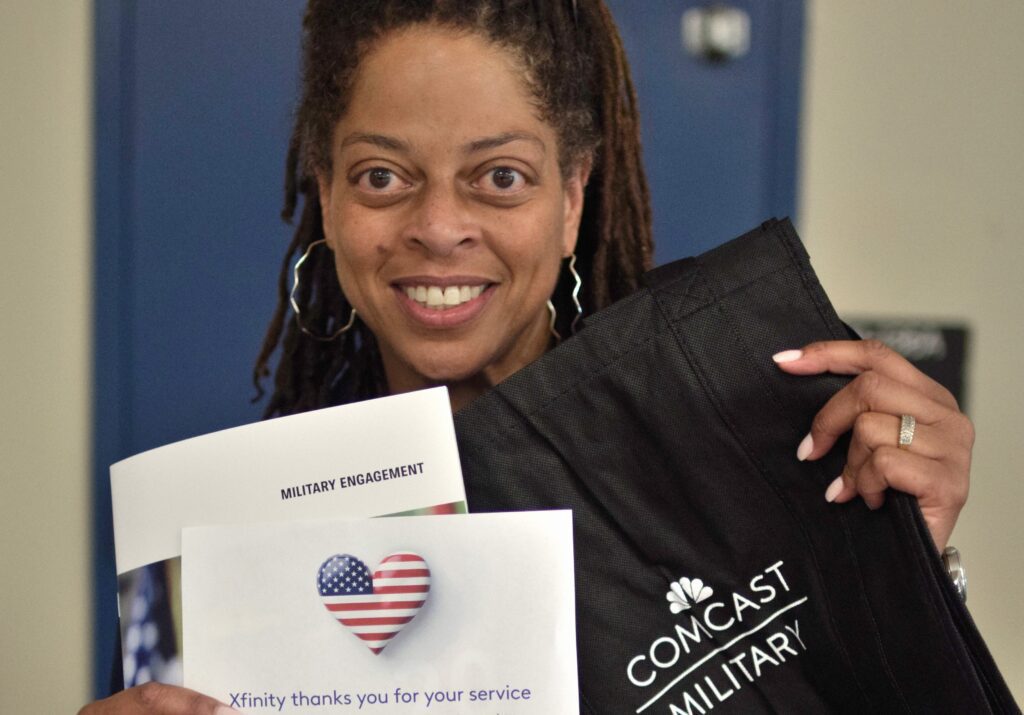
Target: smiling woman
x,y
444,157
448,219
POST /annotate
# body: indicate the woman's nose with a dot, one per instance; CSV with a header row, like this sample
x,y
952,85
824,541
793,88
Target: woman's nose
x,y
442,221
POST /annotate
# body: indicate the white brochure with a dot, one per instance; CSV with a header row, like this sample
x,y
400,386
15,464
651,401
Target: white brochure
x,y
433,614
394,455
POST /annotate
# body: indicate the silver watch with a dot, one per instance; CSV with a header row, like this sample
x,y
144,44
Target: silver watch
x,y
955,568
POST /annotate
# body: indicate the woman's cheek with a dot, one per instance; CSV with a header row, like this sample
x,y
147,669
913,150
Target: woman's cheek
x,y
362,243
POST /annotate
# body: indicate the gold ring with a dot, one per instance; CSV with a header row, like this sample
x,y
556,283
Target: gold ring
x,y
907,426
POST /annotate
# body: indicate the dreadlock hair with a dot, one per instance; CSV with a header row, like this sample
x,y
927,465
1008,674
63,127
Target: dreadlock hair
x,y
574,65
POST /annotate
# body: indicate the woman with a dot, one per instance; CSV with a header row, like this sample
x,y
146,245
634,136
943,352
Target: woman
x,y
451,156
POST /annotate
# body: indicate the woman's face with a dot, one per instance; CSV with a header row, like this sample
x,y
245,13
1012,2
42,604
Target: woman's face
x,y
447,210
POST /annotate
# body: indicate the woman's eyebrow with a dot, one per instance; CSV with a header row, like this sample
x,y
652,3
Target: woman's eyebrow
x,y
500,140
380,141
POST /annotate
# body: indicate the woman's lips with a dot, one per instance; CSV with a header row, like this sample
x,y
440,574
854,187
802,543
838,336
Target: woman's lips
x,y
444,304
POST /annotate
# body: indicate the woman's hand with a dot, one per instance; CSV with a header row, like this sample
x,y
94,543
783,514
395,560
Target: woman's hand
x,y
158,699
935,467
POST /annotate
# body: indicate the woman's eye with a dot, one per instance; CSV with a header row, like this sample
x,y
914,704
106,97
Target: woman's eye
x,y
379,179
505,179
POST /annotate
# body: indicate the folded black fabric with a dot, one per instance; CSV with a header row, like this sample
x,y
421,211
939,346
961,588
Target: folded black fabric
x,y
711,575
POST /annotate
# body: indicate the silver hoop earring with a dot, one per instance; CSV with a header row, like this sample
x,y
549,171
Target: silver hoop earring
x,y
578,284
295,305
551,321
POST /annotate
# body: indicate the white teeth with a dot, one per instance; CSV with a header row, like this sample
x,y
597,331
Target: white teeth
x,y
438,298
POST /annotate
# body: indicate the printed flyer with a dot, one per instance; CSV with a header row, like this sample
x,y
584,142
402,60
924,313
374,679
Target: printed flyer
x,y
471,613
392,456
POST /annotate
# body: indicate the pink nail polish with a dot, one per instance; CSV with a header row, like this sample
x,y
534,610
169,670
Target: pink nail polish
x,y
788,356
833,489
805,448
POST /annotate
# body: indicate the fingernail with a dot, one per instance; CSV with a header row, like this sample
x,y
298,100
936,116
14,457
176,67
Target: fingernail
x,y
788,356
225,710
805,448
833,489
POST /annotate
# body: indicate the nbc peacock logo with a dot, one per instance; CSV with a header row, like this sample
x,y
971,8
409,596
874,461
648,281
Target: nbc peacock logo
x,y
686,593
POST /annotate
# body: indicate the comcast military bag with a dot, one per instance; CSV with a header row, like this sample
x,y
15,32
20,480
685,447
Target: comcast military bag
x,y
711,574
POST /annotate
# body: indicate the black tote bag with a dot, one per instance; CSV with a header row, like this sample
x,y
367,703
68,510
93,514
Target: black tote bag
x,y
711,574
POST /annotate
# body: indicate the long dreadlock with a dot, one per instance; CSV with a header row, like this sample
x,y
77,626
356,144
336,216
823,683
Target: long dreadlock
x,y
575,66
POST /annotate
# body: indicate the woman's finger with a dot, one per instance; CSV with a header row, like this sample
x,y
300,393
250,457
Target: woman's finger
x,y
853,357
868,392
873,430
869,475
939,491
158,699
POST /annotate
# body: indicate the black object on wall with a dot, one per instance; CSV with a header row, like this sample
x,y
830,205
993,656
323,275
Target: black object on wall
x,y
939,350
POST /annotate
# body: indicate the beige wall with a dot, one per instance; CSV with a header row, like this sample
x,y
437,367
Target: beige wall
x,y
912,204
45,159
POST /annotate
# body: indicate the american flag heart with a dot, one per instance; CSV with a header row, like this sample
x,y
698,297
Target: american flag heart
x,y
375,608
